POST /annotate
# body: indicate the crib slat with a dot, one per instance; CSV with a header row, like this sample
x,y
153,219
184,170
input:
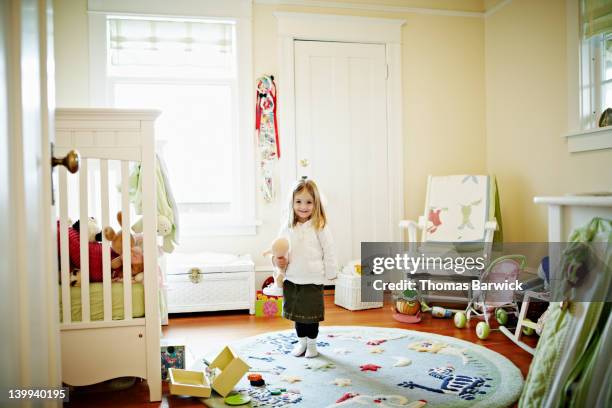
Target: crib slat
x,y
127,255
65,263
84,240
106,269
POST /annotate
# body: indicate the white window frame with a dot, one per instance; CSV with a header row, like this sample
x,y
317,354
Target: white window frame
x,y
592,62
240,13
582,131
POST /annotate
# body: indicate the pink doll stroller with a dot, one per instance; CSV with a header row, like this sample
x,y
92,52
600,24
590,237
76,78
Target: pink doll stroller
x,y
490,298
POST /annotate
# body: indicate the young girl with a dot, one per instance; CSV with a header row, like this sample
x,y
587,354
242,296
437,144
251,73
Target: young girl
x,y
312,260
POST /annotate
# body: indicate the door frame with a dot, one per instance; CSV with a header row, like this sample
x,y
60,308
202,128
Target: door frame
x,y
353,29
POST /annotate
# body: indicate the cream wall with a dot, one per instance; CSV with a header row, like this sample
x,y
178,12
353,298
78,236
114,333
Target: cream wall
x,y
71,53
443,86
526,103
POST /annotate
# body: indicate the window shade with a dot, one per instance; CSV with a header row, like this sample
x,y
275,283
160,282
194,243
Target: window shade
x,y
138,42
596,17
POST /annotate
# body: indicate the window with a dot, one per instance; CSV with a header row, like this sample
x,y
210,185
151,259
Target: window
x,y
197,72
595,60
187,69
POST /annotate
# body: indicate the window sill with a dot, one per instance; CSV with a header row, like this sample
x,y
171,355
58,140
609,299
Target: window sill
x,y
205,230
589,139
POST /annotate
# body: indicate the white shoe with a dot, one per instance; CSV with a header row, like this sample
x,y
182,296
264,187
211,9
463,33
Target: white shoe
x,y
273,290
311,348
299,348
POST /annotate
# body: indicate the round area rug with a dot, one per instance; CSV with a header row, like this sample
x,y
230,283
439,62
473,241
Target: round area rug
x,y
380,367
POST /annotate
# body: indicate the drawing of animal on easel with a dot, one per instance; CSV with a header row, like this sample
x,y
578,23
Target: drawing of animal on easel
x,y
434,218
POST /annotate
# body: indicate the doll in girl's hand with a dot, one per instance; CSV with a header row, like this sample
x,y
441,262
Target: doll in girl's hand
x,y
280,252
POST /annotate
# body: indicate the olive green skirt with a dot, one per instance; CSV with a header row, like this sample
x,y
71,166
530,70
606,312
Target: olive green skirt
x,y
303,303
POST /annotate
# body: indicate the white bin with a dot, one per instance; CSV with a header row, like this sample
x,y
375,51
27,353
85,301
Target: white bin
x,y
210,282
348,293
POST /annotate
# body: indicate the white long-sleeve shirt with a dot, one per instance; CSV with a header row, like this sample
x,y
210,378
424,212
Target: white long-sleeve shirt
x,y
312,254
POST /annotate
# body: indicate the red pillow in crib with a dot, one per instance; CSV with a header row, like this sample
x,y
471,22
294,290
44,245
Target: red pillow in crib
x,y
95,254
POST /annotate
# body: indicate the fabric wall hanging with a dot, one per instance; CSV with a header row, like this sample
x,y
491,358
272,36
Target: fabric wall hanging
x,y
266,132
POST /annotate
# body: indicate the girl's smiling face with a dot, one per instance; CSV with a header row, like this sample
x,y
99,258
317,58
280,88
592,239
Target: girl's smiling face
x,y
303,204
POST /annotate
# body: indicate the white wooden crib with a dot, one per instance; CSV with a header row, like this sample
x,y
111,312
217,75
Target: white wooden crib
x,y
98,350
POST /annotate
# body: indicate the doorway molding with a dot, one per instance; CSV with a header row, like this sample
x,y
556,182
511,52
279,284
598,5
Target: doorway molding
x,y
341,28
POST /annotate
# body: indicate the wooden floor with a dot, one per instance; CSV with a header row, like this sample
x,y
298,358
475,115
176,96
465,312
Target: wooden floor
x,y
206,332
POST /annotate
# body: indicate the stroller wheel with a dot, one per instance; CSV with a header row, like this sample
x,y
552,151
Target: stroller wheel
x,y
483,330
460,320
501,316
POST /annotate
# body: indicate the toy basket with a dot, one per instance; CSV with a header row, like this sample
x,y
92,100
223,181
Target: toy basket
x,y
348,293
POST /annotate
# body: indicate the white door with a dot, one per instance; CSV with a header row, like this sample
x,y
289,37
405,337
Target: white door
x,y
341,137
28,258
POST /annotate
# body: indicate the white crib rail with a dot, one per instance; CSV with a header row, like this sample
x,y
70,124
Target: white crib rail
x,y
106,268
63,237
125,229
84,240
103,136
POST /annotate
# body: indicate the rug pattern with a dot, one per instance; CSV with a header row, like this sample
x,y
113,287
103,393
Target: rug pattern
x,y
381,367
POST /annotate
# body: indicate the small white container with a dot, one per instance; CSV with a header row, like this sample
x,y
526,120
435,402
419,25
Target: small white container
x,y
348,293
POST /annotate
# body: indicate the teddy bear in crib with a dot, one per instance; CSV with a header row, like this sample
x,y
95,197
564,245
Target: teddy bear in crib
x,y
136,255
279,249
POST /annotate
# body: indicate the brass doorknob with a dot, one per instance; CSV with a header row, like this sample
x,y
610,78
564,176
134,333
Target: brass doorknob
x,y
304,162
70,161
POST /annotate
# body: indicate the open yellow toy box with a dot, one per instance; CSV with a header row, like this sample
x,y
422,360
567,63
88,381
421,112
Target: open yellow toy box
x,y
222,375
186,382
226,370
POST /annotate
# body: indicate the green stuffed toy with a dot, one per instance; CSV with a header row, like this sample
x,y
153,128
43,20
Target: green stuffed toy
x,y
164,230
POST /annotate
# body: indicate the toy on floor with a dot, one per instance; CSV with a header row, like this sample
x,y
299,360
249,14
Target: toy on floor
x,y
186,382
407,307
268,306
226,370
486,302
279,249
172,355
437,311
256,380
237,399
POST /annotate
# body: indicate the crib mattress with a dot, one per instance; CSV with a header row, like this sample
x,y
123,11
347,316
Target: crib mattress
x,y
96,301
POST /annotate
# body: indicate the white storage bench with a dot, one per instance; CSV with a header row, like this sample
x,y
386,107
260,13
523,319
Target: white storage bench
x,y
348,293
205,282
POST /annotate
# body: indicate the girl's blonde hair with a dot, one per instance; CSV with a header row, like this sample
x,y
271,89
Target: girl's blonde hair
x,y
318,217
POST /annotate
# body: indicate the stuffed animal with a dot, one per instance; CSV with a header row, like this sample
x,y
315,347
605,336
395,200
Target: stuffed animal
x,y
279,249
74,253
94,232
116,242
75,277
164,230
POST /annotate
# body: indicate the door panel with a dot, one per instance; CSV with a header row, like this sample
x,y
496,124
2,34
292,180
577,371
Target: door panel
x,y
28,286
341,137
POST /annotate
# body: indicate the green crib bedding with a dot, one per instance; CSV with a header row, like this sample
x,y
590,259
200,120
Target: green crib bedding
x,y
96,301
